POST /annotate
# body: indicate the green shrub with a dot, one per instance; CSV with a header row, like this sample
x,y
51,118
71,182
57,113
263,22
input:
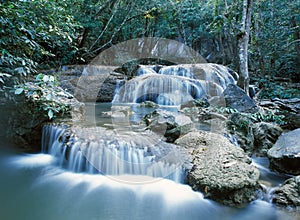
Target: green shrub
x,y
43,93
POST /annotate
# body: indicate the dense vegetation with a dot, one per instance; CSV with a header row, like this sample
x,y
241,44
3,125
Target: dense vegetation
x,y
43,34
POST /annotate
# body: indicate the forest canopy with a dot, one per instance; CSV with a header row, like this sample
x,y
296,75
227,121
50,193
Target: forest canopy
x,y
44,34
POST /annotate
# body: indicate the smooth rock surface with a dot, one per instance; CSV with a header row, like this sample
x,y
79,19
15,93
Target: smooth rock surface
x,y
285,154
220,170
236,98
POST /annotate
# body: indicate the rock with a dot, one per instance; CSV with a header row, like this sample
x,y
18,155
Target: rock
x,y
285,154
195,103
254,138
26,120
220,170
289,108
288,195
288,104
265,136
293,120
111,152
236,98
170,125
149,104
241,126
97,88
91,83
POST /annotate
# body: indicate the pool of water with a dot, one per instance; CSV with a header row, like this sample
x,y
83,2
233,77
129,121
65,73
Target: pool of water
x,y
33,187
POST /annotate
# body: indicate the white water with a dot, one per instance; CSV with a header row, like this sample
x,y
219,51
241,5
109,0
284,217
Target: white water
x,y
174,85
33,187
112,155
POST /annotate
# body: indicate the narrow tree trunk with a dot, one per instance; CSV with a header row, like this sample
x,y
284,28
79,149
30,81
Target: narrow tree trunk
x,y
296,35
258,43
243,41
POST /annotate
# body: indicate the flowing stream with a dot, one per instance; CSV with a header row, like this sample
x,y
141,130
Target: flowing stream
x,y
43,186
34,187
104,176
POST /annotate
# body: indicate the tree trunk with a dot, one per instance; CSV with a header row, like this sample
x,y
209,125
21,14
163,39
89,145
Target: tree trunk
x,y
296,36
243,41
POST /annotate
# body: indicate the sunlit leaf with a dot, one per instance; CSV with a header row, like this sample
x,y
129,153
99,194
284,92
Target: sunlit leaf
x,y
50,114
19,91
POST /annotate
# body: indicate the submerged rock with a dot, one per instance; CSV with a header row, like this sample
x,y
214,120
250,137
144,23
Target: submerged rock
x,y
168,124
236,98
288,194
176,84
220,170
285,154
98,150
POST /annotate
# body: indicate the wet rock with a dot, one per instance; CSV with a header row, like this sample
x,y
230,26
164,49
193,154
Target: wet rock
x,y
285,154
288,195
265,136
169,124
149,104
92,149
220,170
195,103
236,98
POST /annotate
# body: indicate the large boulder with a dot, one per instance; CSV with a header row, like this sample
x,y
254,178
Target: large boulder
x,y
169,124
91,83
285,154
97,88
236,98
288,195
265,135
220,170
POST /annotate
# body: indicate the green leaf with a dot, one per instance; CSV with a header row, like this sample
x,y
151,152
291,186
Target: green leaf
x,y
51,79
50,114
49,96
19,91
39,77
46,78
21,70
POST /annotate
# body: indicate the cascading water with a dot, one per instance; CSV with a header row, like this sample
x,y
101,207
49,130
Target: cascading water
x,y
111,155
174,85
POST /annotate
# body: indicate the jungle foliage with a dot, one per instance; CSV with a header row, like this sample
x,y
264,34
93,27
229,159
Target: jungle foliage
x,y
43,34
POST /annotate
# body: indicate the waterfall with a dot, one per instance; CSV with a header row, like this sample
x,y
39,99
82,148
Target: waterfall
x,y
110,155
174,85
